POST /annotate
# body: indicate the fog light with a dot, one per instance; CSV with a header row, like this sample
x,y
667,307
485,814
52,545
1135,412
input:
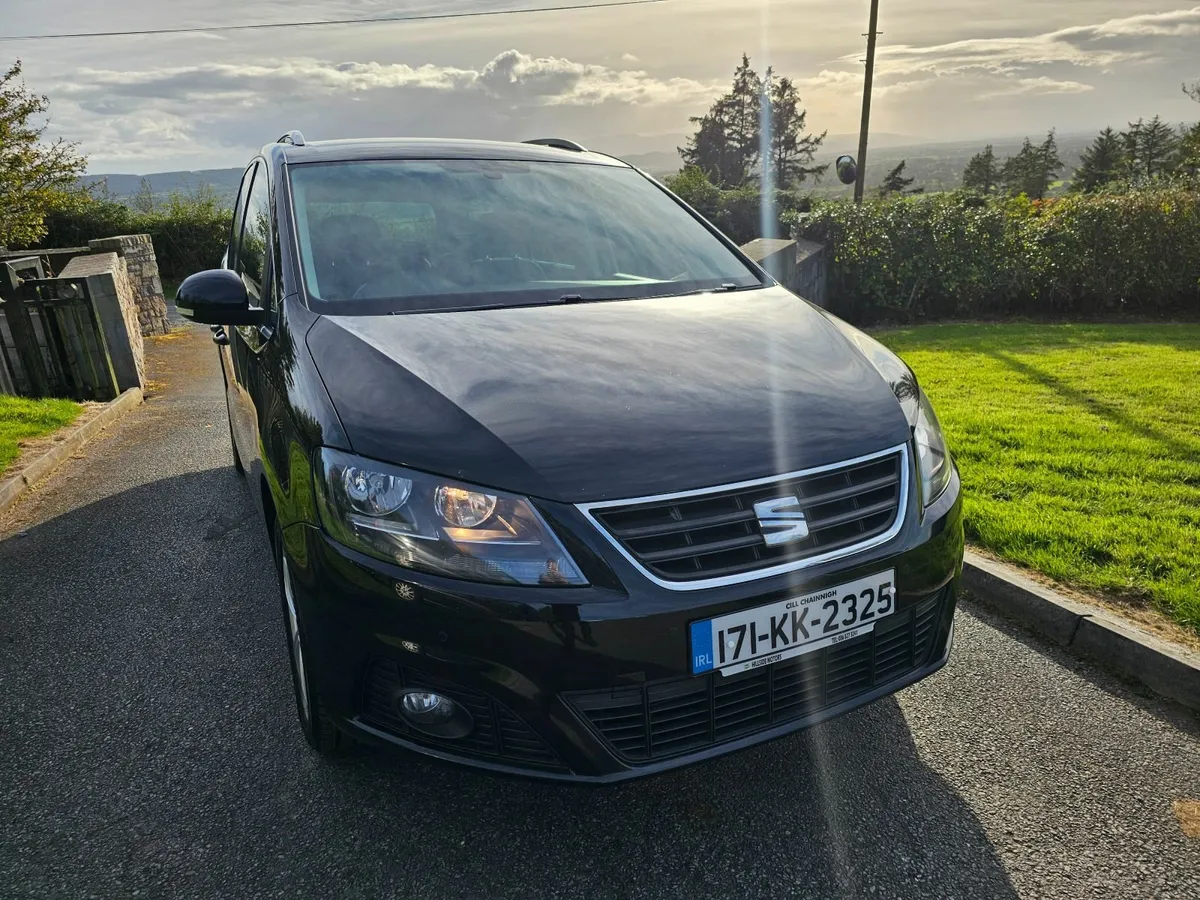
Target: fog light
x,y
435,714
427,705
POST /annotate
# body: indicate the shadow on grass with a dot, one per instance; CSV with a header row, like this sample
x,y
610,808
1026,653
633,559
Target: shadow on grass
x,y
1092,404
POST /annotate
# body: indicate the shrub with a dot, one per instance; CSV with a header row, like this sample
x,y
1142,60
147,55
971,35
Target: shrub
x,y
737,212
963,256
189,230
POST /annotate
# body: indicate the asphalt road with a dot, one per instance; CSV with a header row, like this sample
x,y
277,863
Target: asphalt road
x,y
148,743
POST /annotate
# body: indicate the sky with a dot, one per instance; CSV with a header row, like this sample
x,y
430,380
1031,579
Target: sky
x,y
623,80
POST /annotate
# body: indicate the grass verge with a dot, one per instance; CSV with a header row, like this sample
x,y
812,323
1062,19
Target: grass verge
x,y
22,418
1079,447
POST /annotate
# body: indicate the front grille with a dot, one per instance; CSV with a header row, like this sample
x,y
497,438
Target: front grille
x,y
669,718
498,734
716,533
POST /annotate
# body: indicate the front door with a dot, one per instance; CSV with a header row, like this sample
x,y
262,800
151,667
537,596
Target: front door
x,y
249,385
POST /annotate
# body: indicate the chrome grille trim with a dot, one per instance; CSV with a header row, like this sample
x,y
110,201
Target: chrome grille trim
x,y
587,509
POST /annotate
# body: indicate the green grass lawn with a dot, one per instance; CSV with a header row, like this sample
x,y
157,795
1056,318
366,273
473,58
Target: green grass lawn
x,y
1079,447
22,418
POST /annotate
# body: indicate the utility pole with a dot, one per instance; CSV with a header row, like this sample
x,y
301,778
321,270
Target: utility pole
x,y
872,33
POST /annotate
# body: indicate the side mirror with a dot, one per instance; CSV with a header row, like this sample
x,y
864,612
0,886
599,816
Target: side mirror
x,y
218,297
847,169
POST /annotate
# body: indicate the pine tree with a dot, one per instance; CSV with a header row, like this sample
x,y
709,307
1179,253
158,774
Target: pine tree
x,y
1101,163
743,106
710,149
1033,170
896,183
726,143
791,149
1048,159
982,174
1150,147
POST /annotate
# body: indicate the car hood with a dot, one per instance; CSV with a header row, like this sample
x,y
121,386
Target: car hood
x,y
600,401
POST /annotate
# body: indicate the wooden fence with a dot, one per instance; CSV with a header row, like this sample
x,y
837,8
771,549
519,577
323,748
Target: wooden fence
x,y
51,342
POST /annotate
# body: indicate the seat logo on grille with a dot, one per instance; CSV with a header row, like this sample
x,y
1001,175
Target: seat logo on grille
x,y
781,520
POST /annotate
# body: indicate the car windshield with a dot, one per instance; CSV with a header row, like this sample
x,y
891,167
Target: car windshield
x,y
420,235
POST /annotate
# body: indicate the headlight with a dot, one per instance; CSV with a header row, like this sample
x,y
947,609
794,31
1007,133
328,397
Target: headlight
x,y
438,525
933,459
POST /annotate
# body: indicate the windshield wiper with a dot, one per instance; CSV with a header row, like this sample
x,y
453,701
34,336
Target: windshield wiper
x,y
721,289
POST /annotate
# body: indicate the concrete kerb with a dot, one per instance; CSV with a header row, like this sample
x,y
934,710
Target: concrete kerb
x,y
1086,631
12,488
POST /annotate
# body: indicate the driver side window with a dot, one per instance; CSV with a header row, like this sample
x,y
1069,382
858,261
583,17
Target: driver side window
x,y
255,247
239,216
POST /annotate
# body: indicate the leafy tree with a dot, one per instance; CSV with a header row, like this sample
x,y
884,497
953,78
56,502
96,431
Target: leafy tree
x,y
1033,170
982,173
1193,91
1150,147
143,200
694,188
1102,163
1188,152
791,149
896,183
36,178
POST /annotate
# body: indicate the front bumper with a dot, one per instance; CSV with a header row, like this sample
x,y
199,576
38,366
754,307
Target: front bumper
x,y
593,684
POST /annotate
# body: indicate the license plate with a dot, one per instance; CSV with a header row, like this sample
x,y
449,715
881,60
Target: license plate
x,y
751,638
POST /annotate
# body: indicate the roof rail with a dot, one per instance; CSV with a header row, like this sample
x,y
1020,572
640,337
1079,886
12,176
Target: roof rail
x,y
560,143
295,138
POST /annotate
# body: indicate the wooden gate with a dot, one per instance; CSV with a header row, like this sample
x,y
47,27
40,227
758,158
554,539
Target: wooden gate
x,y
51,342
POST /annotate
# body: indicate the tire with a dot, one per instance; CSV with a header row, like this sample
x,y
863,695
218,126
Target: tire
x,y
316,724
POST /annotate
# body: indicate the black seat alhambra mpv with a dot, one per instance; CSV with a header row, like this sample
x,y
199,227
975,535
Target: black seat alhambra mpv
x,y
558,481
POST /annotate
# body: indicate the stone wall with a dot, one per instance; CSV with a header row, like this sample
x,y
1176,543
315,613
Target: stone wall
x,y
812,271
116,303
799,265
142,270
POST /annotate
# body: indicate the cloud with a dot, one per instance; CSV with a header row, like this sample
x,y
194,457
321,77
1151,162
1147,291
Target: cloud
x,y
142,113
1042,85
510,75
1093,46
830,78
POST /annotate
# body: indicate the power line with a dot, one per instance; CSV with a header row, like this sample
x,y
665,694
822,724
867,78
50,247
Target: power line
x,y
375,20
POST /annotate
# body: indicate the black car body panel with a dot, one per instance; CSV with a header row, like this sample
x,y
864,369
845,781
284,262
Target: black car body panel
x,y
602,401
568,404
530,651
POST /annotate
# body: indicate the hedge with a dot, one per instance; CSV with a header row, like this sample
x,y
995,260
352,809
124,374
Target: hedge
x,y
958,256
189,233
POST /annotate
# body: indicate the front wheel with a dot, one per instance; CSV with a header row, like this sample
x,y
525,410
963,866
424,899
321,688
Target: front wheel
x,y
320,732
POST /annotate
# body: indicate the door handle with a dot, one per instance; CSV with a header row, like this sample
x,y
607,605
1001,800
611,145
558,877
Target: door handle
x,y
220,337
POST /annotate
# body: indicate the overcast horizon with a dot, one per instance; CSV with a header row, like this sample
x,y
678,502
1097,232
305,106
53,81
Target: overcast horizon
x,y
621,79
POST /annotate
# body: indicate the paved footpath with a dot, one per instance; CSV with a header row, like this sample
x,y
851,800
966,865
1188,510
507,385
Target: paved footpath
x,y
148,743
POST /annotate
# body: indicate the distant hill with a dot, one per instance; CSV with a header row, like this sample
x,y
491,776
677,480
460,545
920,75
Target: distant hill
x,y
121,187
660,163
937,166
